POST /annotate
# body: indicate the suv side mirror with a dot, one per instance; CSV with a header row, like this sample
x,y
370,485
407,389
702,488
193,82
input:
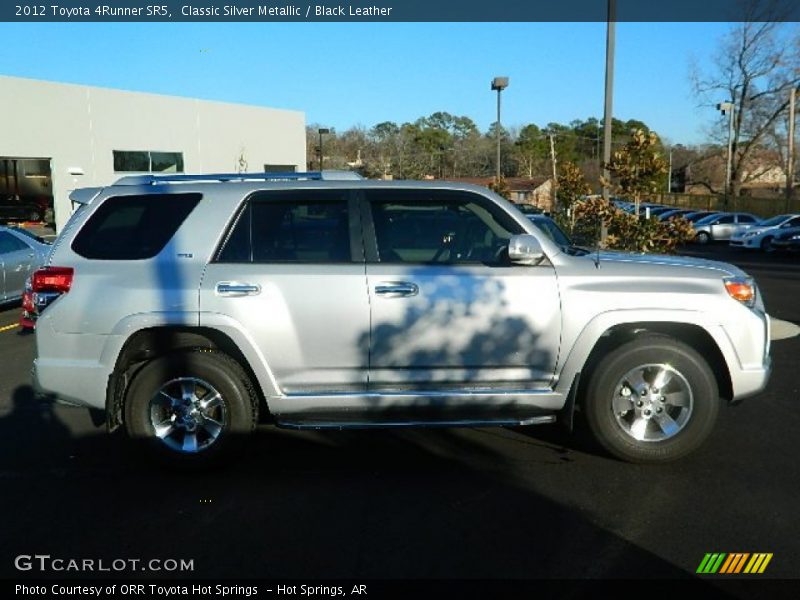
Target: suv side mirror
x,y
525,249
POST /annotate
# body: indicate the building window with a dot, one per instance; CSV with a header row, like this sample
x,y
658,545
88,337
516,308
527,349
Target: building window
x,y
279,168
145,161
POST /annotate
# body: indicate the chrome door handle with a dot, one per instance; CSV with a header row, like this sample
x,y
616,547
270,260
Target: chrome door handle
x,y
236,288
396,289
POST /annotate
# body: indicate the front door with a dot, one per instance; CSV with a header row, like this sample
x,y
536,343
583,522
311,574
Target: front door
x,y
449,311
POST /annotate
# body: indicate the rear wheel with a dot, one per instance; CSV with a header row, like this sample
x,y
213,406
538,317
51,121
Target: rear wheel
x,y
191,408
653,399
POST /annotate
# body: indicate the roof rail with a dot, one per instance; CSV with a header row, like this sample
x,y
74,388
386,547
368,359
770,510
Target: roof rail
x,y
222,177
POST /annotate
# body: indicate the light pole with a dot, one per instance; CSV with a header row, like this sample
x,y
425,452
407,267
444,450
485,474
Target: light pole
x,y
608,116
728,108
498,84
321,131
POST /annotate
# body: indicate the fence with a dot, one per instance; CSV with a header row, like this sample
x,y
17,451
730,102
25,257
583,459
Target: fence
x,y
763,207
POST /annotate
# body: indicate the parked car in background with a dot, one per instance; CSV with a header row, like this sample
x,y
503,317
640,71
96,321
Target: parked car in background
x,y
763,235
787,240
722,226
694,217
551,229
12,209
20,255
675,212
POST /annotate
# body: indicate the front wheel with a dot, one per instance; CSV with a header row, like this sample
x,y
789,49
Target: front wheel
x,y
766,244
702,238
652,400
191,408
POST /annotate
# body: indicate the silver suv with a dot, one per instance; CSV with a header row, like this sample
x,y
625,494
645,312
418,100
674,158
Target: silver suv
x,y
188,308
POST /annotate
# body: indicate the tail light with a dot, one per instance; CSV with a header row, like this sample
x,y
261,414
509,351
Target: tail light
x,y
52,279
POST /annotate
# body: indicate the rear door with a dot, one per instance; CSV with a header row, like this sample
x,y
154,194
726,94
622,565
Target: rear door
x,y
291,274
449,311
723,227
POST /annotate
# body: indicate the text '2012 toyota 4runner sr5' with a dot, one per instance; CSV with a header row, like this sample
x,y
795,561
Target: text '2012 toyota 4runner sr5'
x,y
190,307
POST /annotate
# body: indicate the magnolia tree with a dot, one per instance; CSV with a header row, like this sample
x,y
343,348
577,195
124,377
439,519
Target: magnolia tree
x,y
636,171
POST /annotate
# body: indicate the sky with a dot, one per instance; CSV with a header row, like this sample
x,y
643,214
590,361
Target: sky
x,y
346,74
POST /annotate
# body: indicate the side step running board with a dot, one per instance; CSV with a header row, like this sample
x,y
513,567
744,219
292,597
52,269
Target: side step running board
x,y
540,420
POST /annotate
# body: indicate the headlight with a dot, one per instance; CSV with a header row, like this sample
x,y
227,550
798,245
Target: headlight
x,y
795,237
742,289
750,234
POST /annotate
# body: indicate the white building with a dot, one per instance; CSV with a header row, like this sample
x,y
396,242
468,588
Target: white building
x,y
56,137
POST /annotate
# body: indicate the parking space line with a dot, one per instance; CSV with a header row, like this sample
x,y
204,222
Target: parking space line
x,y
9,327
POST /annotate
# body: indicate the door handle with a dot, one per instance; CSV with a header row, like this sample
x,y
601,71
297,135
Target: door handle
x,y
235,289
396,289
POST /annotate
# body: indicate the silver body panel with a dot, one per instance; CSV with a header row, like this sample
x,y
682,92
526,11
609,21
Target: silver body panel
x,y
348,341
18,265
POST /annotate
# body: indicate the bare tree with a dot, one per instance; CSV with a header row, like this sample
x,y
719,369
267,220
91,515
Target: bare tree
x,y
755,66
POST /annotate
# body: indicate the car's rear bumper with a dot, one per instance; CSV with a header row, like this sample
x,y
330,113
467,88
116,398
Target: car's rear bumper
x,y
80,383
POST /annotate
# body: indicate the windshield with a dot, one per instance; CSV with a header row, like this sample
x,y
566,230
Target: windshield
x,y
708,219
552,230
774,221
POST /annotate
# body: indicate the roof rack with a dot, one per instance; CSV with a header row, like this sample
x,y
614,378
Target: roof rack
x,y
223,177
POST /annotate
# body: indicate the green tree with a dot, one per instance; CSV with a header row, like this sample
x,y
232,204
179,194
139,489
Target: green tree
x,y
530,148
638,168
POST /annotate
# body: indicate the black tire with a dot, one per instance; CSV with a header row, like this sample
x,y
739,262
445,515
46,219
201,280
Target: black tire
x,y
237,409
34,216
766,244
702,238
612,426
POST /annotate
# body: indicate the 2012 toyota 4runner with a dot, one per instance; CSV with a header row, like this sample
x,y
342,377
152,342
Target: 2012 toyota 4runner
x,y
189,308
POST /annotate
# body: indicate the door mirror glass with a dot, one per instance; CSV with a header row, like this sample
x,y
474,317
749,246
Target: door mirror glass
x,y
525,249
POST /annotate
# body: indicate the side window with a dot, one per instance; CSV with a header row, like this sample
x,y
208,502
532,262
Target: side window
x,y
133,227
291,227
726,220
793,222
747,219
432,227
8,244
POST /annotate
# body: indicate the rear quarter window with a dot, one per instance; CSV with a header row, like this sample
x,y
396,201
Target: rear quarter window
x,y
133,227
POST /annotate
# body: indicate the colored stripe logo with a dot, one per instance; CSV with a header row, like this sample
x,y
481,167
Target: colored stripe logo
x,y
735,563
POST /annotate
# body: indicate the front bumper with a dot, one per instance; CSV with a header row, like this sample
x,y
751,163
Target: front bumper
x,y
745,242
750,382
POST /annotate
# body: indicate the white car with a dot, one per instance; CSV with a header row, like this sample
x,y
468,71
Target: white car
x,y
762,235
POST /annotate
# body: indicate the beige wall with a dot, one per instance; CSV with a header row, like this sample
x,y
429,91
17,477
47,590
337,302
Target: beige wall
x,y
79,127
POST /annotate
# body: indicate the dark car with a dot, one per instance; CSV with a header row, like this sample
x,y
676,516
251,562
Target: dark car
x,y
12,209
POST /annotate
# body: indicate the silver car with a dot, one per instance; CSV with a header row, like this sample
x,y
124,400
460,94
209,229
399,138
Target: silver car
x,y
189,307
722,226
21,253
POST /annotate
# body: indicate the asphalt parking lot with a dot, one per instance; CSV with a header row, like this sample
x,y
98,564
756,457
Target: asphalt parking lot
x,y
469,503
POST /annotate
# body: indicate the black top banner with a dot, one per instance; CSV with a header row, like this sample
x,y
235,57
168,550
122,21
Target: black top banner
x,y
401,10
